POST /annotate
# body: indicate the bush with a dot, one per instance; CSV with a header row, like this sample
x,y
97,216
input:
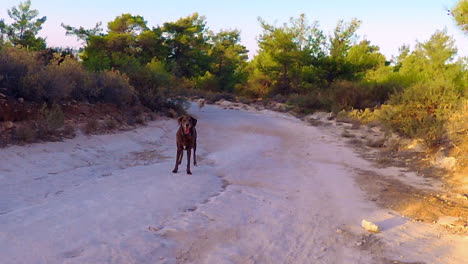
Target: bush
x,y
25,133
310,102
207,82
15,65
140,119
111,124
114,87
91,126
365,116
458,133
54,117
68,131
421,111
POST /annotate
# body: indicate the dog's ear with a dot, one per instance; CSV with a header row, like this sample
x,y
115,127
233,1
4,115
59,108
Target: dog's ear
x,y
179,119
194,121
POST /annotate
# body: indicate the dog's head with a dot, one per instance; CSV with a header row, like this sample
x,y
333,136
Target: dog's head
x,y
187,123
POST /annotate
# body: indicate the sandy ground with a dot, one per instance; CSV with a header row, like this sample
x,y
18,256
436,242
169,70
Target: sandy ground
x,y
268,189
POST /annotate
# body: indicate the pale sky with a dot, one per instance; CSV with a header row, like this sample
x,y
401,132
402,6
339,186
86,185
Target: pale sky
x,y
386,23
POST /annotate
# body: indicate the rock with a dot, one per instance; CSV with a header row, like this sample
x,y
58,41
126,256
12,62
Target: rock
x,y
369,226
321,116
375,129
279,107
444,162
224,103
377,143
2,96
21,100
416,145
447,221
8,125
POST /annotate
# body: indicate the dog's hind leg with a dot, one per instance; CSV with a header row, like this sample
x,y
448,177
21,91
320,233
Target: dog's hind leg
x,y
181,156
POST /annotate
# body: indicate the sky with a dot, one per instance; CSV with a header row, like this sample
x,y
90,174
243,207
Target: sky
x,y
385,23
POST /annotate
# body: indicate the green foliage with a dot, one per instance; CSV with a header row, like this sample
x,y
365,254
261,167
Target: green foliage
x,y
24,28
152,84
460,14
206,82
415,94
437,84
127,24
158,60
81,33
228,60
186,40
285,51
343,38
364,57
115,88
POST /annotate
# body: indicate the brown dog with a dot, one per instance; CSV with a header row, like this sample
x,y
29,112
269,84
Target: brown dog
x,y
186,139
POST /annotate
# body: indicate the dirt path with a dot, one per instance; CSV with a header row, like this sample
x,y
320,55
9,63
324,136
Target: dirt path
x,y
269,189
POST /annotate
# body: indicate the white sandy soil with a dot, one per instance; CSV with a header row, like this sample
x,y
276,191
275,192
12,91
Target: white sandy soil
x,y
268,189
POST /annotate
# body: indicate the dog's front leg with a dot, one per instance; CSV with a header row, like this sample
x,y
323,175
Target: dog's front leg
x,y
178,157
195,153
189,153
181,156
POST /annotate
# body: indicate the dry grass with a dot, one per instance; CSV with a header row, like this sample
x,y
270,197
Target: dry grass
x,y
140,119
111,124
68,131
410,201
91,126
25,133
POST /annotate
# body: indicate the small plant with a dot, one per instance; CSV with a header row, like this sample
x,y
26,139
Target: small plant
x,y
54,117
25,133
68,131
140,119
91,126
344,117
111,124
131,120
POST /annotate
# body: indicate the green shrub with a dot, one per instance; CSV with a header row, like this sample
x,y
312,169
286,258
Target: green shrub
x,y
15,65
309,103
421,111
53,117
207,82
115,88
